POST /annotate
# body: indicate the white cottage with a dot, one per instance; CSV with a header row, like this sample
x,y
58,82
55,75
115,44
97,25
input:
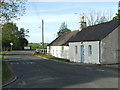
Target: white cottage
x,y
98,44
60,47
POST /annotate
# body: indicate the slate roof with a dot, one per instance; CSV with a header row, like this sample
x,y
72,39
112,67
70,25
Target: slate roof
x,y
64,39
96,32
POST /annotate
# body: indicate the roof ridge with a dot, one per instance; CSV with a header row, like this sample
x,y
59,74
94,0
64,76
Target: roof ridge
x,y
101,23
96,32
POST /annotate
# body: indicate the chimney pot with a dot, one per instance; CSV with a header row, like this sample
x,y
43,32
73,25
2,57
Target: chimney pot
x,y
82,24
82,18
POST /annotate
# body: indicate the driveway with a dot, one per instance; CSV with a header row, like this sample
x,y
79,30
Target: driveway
x,y
36,72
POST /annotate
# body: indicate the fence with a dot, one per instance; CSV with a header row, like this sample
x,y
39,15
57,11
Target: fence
x,y
44,51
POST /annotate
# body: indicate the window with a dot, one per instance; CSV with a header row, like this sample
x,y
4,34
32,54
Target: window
x,y
62,48
89,50
62,51
76,49
53,52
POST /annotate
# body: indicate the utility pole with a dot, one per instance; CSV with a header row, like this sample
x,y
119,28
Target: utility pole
x,y
119,5
43,35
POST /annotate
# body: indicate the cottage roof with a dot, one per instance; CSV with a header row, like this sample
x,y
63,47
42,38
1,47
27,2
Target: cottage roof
x,y
96,32
64,39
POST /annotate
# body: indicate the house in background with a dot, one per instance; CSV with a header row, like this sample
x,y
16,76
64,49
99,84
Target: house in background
x,y
59,47
98,44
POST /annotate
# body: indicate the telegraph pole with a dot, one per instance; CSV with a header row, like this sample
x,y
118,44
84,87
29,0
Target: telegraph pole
x,y
43,35
119,5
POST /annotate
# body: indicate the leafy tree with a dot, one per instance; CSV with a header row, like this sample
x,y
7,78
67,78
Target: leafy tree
x,y
23,33
20,43
11,9
10,33
117,17
7,34
63,29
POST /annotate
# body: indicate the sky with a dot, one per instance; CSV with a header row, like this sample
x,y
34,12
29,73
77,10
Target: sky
x,y
54,13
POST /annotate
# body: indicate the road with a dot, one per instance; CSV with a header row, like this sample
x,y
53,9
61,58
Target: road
x,y
35,72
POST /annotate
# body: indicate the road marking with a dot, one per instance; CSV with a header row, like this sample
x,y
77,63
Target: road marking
x,y
27,63
22,83
100,70
17,62
32,63
11,63
23,62
87,67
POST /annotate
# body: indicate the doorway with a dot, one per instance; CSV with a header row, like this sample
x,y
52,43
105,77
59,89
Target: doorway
x,y
82,53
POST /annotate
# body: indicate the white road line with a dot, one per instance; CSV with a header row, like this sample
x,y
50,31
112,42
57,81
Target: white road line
x,y
23,62
100,70
11,63
31,62
27,63
87,67
22,83
17,63
17,60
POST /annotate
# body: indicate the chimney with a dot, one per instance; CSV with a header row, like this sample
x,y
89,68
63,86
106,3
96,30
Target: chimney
x,y
82,23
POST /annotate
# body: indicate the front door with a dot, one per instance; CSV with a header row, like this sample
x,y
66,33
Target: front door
x,y
82,54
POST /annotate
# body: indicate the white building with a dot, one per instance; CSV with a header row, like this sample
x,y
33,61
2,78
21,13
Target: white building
x,y
60,47
98,44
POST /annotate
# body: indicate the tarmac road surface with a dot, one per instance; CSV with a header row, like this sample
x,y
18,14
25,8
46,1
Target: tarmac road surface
x,y
36,72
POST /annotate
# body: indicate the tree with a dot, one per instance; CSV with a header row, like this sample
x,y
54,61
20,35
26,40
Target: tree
x,y
11,9
63,29
23,33
22,42
117,17
10,33
93,17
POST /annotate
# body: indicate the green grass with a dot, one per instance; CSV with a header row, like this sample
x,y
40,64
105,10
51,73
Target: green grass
x,y
0,69
6,73
36,45
51,57
4,52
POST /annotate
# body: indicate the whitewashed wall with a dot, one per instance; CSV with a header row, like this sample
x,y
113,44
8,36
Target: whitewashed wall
x,y
94,58
59,51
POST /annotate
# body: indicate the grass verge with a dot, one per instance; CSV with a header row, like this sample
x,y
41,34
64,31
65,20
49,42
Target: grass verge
x,y
4,52
51,57
6,73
